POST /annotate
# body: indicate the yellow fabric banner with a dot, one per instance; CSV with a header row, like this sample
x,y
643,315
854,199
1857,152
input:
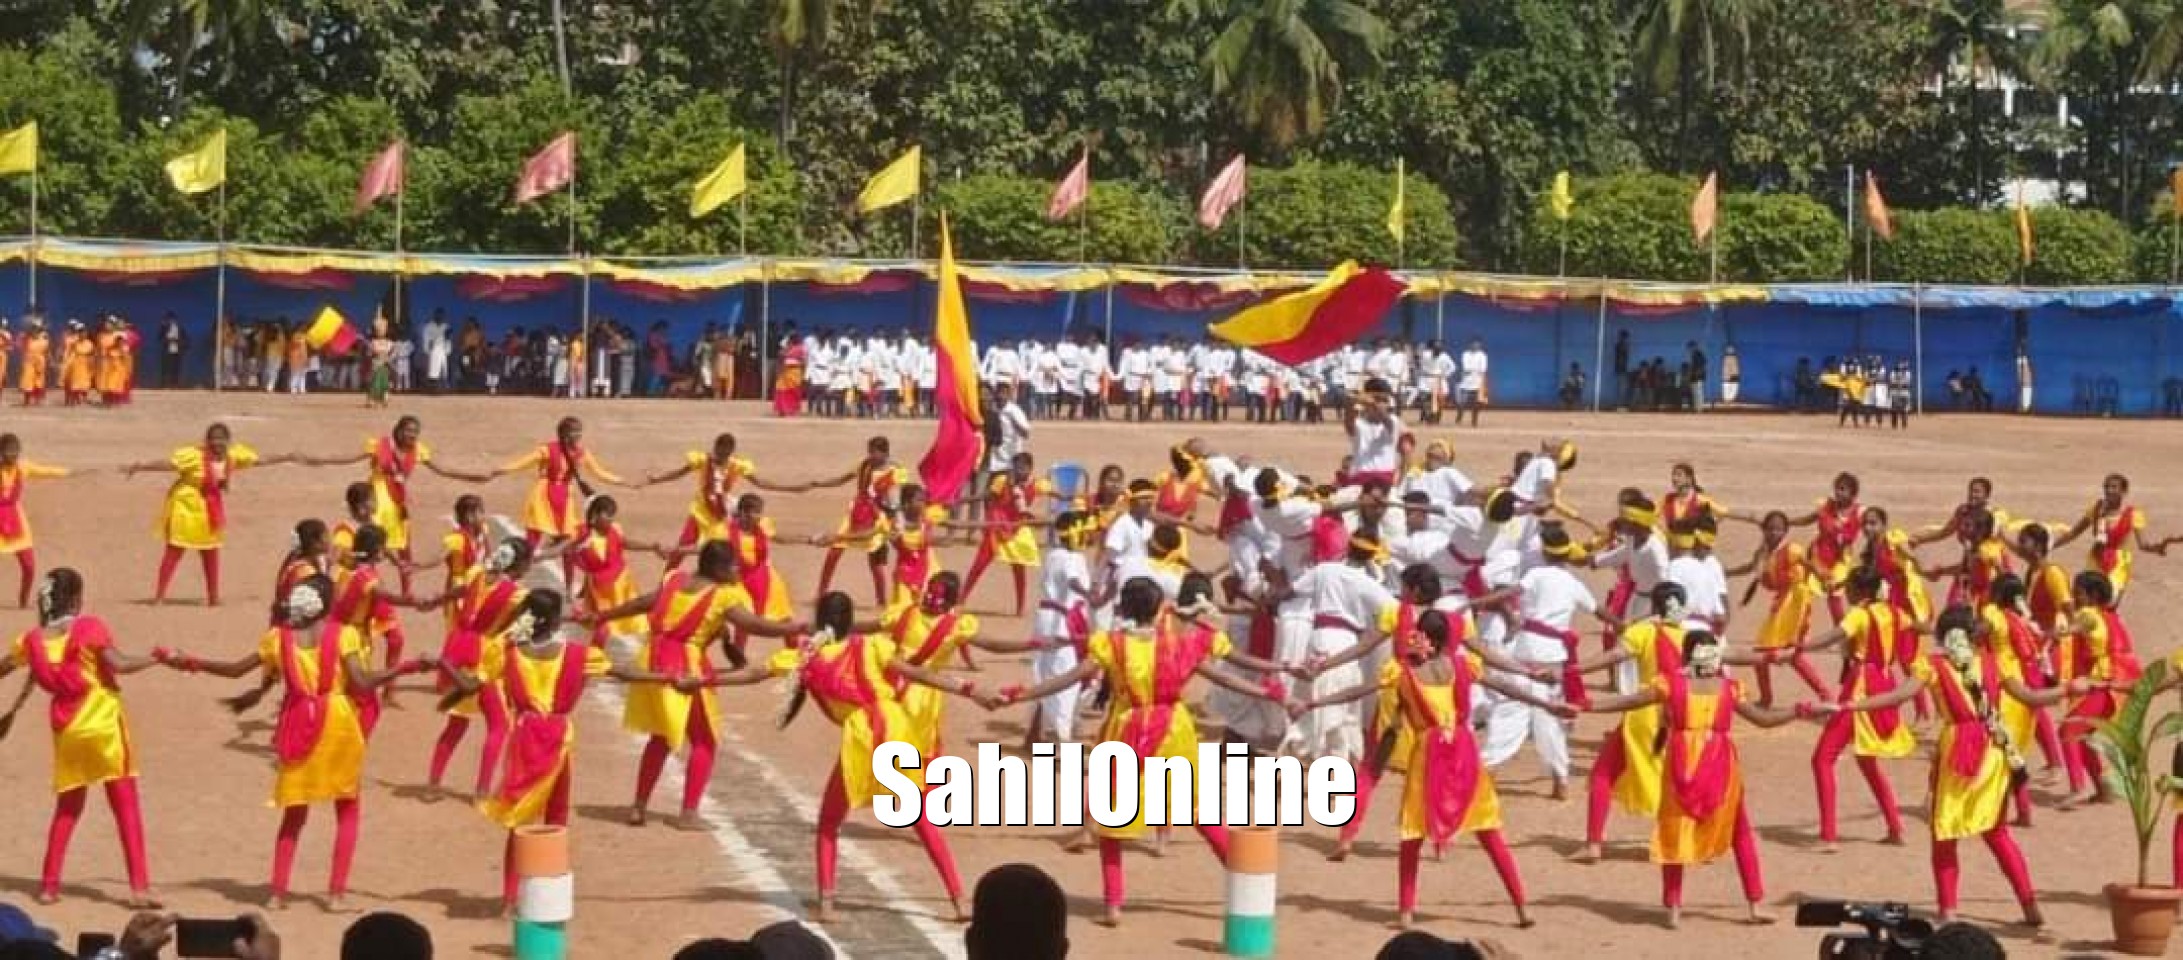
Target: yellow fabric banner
x,y
896,183
203,169
725,183
19,149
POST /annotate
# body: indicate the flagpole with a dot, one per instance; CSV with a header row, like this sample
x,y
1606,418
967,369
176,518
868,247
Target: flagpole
x,y
572,212
1849,215
401,266
2175,236
219,283
34,234
742,221
1083,229
917,208
1243,220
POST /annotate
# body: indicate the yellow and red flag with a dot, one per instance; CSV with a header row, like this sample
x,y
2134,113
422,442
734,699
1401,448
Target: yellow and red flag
x,y
959,441
330,332
1223,193
1069,194
1303,326
548,170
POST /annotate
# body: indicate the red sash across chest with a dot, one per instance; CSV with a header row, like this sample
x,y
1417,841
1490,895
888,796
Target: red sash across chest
x,y
671,638
1971,736
11,503
482,609
304,707
844,681
212,486
540,730
1838,528
1701,783
1446,751
63,677
394,466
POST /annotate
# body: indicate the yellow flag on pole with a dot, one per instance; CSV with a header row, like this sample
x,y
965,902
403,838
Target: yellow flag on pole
x,y
2023,225
203,169
1395,211
1560,199
2175,188
19,149
725,183
894,184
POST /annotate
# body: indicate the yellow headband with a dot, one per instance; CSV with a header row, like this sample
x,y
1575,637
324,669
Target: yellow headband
x,y
1565,456
1440,448
1640,516
1682,541
1376,549
1704,536
1567,552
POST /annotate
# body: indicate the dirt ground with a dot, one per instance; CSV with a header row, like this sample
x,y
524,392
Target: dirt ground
x,y
645,891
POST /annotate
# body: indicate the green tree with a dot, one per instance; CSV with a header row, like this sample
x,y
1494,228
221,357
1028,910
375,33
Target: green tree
x,y
2077,248
648,212
1967,39
1280,65
83,148
1313,215
999,217
2096,51
1952,245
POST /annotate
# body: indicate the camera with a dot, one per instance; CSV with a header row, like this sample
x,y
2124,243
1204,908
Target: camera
x,y
1890,932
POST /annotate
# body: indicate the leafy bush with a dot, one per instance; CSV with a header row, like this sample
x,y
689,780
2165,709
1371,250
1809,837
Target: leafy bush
x,y
1314,215
1948,246
998,217
2077,248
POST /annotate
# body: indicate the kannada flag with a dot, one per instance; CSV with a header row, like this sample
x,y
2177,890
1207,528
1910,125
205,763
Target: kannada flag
x,y
894,184
2023,225
19,149
1876,215
1395,210
203,169
959,442
725,183
330,333
1705,207
1069,194
1561,199
1300,327
550,169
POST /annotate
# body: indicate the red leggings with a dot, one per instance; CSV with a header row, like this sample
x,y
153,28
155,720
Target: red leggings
x,y
879,573
1747,867
128,820
495,716
1801,662
1948,874
2176,841
2082,762
1504,863
1366,784
1834,738
26,563
983,560
1600,790
1110,859
696,776
556,815
173,558
348,822
834,808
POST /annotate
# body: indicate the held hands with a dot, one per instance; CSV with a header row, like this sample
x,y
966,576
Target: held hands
x,y
1565,711
689,685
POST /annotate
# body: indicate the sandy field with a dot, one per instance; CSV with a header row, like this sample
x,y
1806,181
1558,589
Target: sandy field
x,y
643,892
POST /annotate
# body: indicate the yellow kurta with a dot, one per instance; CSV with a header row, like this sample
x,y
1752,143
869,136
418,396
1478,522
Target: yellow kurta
x,y
14,479
1129,660
538,511
1965,806
386,513
1638,788
77,351
858,743
540,678
1677,836
115,363
2125,546
334,769
606,593
911,630
660,710
94,748
871,537
1789,576
1484,812
1018,547
2016,717
778,603
490,645
1871,632
187,523
714,483
37,356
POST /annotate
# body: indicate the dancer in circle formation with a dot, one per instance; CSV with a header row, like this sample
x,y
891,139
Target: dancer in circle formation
x,y
1383,617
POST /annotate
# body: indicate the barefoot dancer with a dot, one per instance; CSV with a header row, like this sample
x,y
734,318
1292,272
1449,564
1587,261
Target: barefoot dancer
x,y
1628,768
15,474
601,554
2005,624
1011,502
309,550
1446,788
72,658
682,621
1839,519
717,474
1976,764
876,479
195,517
319,740
852,677
1783,569
394,459
1702,812
555,510
1870,631
2118,531
2095,645
482,607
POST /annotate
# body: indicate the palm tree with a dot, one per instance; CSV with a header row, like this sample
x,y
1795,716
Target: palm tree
x,y
2101,51
1280,64
1976,37
1668,35
799,31
2164,52
178,30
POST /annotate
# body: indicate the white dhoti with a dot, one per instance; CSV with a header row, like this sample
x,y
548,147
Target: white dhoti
x,y
1057,710
1511,722
1336,731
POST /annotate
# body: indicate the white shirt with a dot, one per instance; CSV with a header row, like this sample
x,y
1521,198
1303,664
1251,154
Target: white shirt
x,y
1474,370
1064,581
1647,564
1069,366
1130,569
1339,591
1373,447
1002,365
1447,486
1535,483
1127,537
1015,429
1705,589
1552,596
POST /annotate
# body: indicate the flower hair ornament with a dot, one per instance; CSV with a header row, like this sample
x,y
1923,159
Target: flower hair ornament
x,y
295,541
45,598
792,680
303,603
522,630
1956,643
502,558
1705,660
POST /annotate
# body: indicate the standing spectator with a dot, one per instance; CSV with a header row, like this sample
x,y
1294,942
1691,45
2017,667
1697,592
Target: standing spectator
x,y
1572,387
1470,390
173,343
1694,377
1805,384
437,352
1974,388
1622,380
701,360
472,354
659,359
625,361
2023,379
1017,912
1731,375
404,358
748,368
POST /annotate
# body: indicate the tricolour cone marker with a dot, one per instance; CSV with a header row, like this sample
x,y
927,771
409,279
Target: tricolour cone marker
x,y
545,893
1253,854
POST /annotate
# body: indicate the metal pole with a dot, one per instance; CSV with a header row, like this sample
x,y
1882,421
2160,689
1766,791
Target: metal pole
x,y
401,269
917,210
1599,348
1849,214
1243,229
219,287
583,316
1440,319
571,205
742,222
1917,335
33,235
560,46
765,330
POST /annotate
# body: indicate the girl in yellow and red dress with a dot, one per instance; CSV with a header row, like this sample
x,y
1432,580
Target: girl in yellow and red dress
x,y
717,474
1147,660
554,511
2118,532
308,548
37,364
683,620
1783,568
72,658
542,677
1011,502
1985,559
2005,625
1702,811
1871,632
1628,768
751,533
913,536
394,459
852,676
1840,520
360,601
927,630
1887,551
1446,786
481,607
77,352
601,554
876,481
1976,764
319,739
463,551
16,474
2048,606
2094,645
195,518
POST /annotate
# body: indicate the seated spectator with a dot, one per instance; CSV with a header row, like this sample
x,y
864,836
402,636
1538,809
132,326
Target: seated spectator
x,y
1572,387
1017,913
23,939
1956,390
386,936
1419,945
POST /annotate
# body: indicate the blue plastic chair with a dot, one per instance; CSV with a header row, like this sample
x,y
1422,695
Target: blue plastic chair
x,y
1070,481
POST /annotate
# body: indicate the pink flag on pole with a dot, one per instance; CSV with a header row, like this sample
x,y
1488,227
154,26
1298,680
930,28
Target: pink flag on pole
x,y
382,177
1069,194
550,170
1222,195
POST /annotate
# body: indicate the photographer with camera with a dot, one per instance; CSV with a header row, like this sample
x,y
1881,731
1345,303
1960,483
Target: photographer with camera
x,y
1891,933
